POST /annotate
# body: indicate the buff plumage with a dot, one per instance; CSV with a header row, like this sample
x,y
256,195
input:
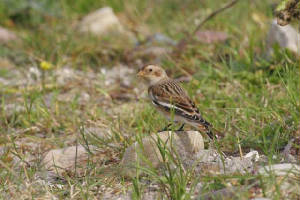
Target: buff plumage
x,y
172,100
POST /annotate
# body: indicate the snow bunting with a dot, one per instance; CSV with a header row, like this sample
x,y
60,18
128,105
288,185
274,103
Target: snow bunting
x,y
172,100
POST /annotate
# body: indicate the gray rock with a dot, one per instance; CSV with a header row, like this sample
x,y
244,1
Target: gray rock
x,y
225,193
285,178
284,169
285,36
213,162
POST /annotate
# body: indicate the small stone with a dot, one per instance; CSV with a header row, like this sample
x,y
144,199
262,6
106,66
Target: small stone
x,y
254,155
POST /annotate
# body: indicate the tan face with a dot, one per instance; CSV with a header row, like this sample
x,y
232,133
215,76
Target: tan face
x,y
152,73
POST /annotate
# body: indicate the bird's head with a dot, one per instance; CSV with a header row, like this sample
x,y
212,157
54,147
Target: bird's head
x,y
152,73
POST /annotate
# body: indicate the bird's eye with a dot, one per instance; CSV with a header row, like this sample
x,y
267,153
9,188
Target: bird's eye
x,y
150,70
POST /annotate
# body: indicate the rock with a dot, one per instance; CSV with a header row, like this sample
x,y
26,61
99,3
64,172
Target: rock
x,y
210,161
284,169
103,22
285,36
6,35
284,177
225,193
209,37
34,75
62,161
253,154
147,153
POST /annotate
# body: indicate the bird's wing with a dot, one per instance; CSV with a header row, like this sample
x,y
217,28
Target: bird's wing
x,y
170,96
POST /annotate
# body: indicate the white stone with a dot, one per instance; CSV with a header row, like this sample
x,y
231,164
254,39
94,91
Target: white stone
x,y
280,169
286,36
253,154
101,22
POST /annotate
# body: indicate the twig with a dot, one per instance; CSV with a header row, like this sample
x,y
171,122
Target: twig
x,y
239,144
213,14
189,37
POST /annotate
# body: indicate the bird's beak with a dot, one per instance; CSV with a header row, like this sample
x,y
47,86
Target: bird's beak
x,y
140,74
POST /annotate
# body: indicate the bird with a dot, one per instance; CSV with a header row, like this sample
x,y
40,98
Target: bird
x,y
170,99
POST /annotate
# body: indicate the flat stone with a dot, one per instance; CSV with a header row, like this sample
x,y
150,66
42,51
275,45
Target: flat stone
x,y
64,160
280,169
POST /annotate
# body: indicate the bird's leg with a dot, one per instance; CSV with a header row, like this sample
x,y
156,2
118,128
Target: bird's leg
x,y
166,128
181,127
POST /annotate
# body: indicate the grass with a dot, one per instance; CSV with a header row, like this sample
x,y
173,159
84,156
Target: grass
x,y
234,86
